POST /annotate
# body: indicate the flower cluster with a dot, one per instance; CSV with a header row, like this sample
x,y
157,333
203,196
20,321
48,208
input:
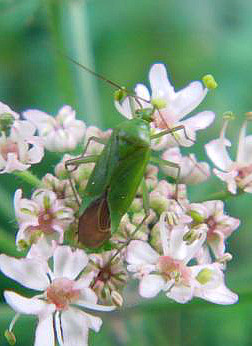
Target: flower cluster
x,y
75,257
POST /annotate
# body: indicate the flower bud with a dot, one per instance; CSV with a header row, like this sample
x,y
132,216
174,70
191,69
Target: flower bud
x,y
6,122
158,202
116,298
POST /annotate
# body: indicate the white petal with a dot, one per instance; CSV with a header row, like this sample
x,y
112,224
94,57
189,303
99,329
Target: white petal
x,y
216,151
247,151
28,272
219,295
200,121
28,306
160,84
84,281
181,294
98,307
188,98
44,332
69,263
240,157
13,164
143,92
124,108
151,285
74,326
94,322
139,252
86,295
179,249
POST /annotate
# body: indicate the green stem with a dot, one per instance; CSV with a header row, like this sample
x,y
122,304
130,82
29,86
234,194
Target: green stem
x,y
222,195
79,39
70,30
29,178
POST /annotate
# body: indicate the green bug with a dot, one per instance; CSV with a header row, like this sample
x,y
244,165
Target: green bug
x,y
118,172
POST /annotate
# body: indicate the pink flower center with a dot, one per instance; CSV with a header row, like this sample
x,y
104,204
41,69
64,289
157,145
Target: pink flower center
x,y
244,172
61,293
9,147
103,277
211,226
172,269
45,220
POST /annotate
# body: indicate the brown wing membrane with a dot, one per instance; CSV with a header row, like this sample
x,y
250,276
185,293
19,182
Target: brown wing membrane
x,y
94,224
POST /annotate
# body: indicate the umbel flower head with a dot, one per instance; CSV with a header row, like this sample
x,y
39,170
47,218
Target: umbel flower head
x,y
171,272
60,308
60,133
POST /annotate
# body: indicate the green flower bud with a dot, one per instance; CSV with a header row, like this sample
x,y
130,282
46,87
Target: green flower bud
x,y
6,122
197,218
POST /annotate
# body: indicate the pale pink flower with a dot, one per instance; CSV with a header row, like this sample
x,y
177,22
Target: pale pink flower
x,y
170,272
19,148
60,306
238,173
172,106
60,133
220,226
191,171
110,276
44,215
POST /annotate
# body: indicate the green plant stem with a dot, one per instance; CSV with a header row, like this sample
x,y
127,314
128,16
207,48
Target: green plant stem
x,y
29,178
71,37
222,195
80,40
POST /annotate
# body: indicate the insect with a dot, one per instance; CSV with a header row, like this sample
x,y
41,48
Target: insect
x,y
118,172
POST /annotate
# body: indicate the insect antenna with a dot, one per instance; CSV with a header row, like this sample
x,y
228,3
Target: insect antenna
x,y
101,77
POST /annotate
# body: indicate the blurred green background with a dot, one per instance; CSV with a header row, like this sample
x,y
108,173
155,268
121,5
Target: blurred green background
x,y
121,40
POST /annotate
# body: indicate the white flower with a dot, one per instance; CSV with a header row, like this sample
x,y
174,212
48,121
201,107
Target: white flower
x,y
220,226
60,307
191,171
236,173
19,148
43,216
171,106
60,133
170,271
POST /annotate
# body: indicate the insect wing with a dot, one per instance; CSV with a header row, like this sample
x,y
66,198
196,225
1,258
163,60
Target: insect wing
x,y
124,184
94,224
100,177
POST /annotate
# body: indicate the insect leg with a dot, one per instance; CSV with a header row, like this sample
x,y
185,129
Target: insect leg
x,y
76,162
160,162
172,130
95,139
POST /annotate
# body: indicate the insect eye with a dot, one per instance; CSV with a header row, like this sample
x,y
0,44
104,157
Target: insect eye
x,y
120,94
145,114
